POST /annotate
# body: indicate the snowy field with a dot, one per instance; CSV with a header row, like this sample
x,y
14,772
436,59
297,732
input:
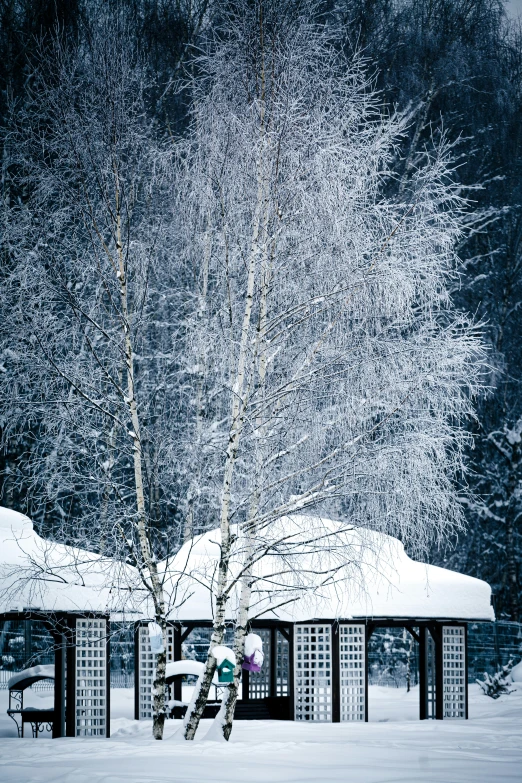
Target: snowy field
x,y
393,748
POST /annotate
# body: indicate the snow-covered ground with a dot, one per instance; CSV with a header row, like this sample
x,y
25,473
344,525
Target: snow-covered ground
x,y
393,748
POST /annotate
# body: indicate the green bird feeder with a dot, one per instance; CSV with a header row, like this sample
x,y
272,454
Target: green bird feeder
x,y
226,671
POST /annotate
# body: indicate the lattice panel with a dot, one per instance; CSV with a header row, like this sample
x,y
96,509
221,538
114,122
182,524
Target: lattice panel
x,y
454,671
259,682
352,662
313,672
147,668
91,678
283,665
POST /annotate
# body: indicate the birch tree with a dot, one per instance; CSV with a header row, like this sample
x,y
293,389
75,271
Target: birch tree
x,y
341,371
91,303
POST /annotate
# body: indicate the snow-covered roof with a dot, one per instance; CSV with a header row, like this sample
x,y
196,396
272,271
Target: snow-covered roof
x,y
319,569
324,569
39,574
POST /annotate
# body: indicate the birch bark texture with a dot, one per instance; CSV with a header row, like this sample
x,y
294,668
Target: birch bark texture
x,y
341,372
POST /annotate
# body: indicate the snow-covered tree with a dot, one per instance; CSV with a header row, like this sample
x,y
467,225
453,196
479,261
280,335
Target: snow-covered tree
x,y
339,372
91,303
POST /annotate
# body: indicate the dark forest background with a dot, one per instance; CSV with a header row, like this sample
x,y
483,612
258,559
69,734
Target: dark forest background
x,y
455,66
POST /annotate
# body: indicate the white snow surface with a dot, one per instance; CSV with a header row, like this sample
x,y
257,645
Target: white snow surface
x,y
324,569
220,653
41,574
187,667
394,747
321,569
516,673
42,670
253,642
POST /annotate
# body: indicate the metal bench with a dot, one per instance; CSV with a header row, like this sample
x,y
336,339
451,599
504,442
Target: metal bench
x,y
37,717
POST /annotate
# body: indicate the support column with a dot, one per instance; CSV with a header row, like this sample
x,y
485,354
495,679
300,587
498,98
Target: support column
x,y
466,669
59,685
176,644
91,686
454,671
273,662
70,705
369,629
108,680
336,675
436,632
137,671
423,675
291,675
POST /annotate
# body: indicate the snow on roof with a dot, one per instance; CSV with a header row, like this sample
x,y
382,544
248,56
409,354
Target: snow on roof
x,y
29,676
323,569
39,574
319,569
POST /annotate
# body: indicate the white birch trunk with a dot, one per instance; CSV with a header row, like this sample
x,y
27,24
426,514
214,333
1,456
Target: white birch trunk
x,y
238,413
149,564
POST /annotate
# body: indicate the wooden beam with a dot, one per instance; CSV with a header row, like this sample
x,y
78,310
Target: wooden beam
x,y
285,632
184,634
413,633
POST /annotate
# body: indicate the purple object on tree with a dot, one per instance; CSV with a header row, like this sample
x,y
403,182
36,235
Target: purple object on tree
x,y
253,663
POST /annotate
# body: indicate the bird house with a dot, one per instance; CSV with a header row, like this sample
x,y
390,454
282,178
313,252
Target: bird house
x,y
253,663
225,671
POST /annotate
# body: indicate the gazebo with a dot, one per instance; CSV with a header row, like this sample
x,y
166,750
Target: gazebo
x,y
67,591
316,644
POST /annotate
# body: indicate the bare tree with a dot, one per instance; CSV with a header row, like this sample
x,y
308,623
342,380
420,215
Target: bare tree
x,y
339,370
92,304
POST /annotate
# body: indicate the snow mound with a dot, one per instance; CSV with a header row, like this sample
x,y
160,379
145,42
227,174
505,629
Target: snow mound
x,y
516,672
253,642
220,653
186,666
42,672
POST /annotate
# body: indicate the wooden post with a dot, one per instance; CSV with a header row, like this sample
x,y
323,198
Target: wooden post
x,y
291,677
336,675
136,671
273,662
423,673
28,641
178,683
70,706
466,667
369,629
436,632
108,676
59,685
245,685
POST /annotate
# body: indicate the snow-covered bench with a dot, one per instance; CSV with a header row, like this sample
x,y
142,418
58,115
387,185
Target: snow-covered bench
x,y
175,670
38,718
